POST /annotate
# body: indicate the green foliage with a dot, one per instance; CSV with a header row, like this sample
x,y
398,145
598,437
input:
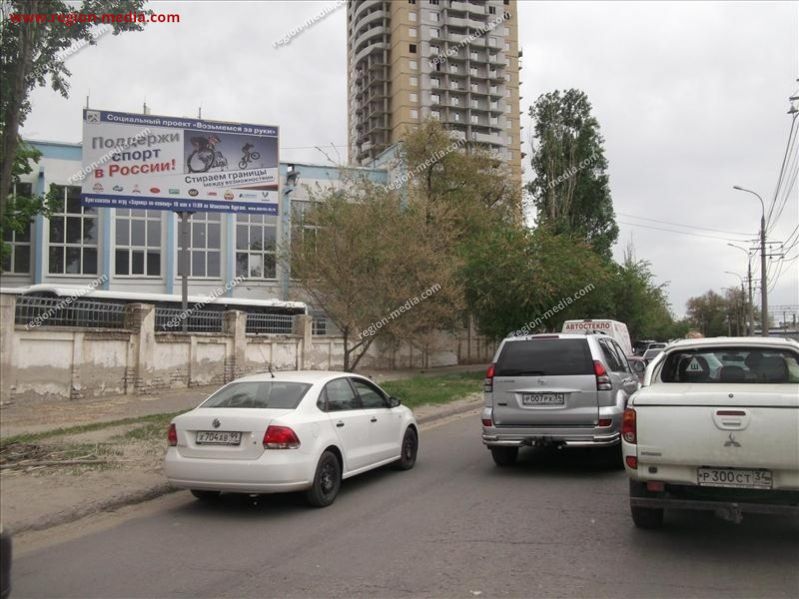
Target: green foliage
x,y
716,315
516,277
570,190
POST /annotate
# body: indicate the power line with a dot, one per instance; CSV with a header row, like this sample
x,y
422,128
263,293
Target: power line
x,y
788,146
678,232
665,222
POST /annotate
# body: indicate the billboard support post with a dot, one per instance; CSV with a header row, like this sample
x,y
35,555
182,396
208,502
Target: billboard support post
x,y
183,263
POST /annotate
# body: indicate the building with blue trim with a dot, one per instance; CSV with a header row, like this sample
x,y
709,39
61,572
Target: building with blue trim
x,y
137,250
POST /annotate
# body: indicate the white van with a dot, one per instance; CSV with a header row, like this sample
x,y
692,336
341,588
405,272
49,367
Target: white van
x,y
612,328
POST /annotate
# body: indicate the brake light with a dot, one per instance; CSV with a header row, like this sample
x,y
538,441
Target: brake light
x,y
487,422
602,378
605,421
631,461
280,437
488,383
628,426
172,435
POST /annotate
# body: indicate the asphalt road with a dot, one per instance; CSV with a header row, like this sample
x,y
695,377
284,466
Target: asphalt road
x,y
557,525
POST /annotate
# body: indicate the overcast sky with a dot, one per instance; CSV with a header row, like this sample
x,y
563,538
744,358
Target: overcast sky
x,y
691,97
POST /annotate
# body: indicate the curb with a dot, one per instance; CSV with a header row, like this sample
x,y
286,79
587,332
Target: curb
x,y
164,488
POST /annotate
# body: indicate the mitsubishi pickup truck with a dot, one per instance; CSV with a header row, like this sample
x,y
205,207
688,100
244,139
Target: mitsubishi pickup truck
x,y
715,427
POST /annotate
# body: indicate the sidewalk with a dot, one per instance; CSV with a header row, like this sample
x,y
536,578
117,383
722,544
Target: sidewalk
x,y
42,498
38,416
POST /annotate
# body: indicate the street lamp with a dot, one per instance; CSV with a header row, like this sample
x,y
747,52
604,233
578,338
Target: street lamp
x,y
750,330
764,324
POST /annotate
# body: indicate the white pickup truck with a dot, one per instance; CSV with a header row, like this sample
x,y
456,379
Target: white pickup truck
x,y
715,427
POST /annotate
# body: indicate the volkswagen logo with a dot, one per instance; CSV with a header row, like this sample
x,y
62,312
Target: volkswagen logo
x,y
216,423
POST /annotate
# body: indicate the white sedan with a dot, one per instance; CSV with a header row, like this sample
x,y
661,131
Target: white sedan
x,y
289,431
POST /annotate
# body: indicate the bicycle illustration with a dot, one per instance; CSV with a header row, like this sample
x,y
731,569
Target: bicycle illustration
x,y
205,156
248,156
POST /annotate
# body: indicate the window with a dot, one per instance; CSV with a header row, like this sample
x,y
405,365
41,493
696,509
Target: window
x,y
435,81
611,357
412,16
475,119
371,397
475,87
434,2
412,65
435,114
412,48
492,10
545,357
18,260
256,242
474,104
473,71
507,46
456,101
278,395
453,68
453,85
435,98
73,235
456,117
412,31
733,364
473,55
138,242
206,242
414,2
434,50
413,97
414,113
339,396
434,17
434,32
414,81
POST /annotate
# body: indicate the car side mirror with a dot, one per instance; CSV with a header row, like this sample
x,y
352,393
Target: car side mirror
x,y
393,402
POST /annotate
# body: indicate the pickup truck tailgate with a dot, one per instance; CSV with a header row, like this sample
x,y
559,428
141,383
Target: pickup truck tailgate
x,y
741,425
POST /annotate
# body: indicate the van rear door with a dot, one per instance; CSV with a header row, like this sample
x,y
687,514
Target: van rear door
x,y
545,381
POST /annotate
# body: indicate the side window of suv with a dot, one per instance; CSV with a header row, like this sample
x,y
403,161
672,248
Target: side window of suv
x,y
625,366
610,356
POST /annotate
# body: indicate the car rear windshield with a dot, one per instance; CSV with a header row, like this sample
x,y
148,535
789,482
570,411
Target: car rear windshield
x,y
731,365
545,357
267,394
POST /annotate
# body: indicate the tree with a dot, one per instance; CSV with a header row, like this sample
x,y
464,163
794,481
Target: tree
x,y
532,281
570,190
366,260
708,314
33,52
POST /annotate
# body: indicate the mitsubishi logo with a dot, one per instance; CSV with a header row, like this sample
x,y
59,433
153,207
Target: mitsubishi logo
x,y
731,442
216,423
542,381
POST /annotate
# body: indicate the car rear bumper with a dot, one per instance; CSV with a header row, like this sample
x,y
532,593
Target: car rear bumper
x,y
278,471
493,437
730,510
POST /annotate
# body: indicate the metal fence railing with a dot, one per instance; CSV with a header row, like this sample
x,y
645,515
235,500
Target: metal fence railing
x,y
170,320
272,324
322,325
32,311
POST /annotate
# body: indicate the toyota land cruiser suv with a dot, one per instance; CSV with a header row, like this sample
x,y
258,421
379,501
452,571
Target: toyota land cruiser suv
x,y
565,390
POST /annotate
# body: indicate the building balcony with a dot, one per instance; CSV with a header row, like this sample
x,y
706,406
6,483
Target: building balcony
x,y
364,6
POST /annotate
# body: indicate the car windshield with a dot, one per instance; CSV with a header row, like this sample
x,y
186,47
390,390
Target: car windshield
x,y
280,395
545,357
731,365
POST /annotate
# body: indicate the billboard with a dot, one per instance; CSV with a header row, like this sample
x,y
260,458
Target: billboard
x,y
168,163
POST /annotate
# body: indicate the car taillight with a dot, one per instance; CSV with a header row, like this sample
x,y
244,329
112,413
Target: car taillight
x,y
488,383
172,435
632,461
280,437
602,378
487,422
628,427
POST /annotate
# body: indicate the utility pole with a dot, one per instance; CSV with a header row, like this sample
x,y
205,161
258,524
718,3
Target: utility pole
x,y
764,320
750,328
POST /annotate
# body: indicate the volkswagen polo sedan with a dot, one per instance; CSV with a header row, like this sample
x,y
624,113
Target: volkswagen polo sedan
x,y
289,431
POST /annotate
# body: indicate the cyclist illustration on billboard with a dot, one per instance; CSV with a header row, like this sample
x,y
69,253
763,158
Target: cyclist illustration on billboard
x,y
248,155
205,156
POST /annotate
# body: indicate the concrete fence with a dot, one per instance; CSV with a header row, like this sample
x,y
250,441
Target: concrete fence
x,y
47,362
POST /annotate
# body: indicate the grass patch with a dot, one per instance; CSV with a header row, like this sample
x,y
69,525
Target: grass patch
x,y
152,429
445,388
155,419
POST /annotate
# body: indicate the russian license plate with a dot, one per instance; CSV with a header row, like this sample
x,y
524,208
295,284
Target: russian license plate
x,y
543,399
218,438
736,478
